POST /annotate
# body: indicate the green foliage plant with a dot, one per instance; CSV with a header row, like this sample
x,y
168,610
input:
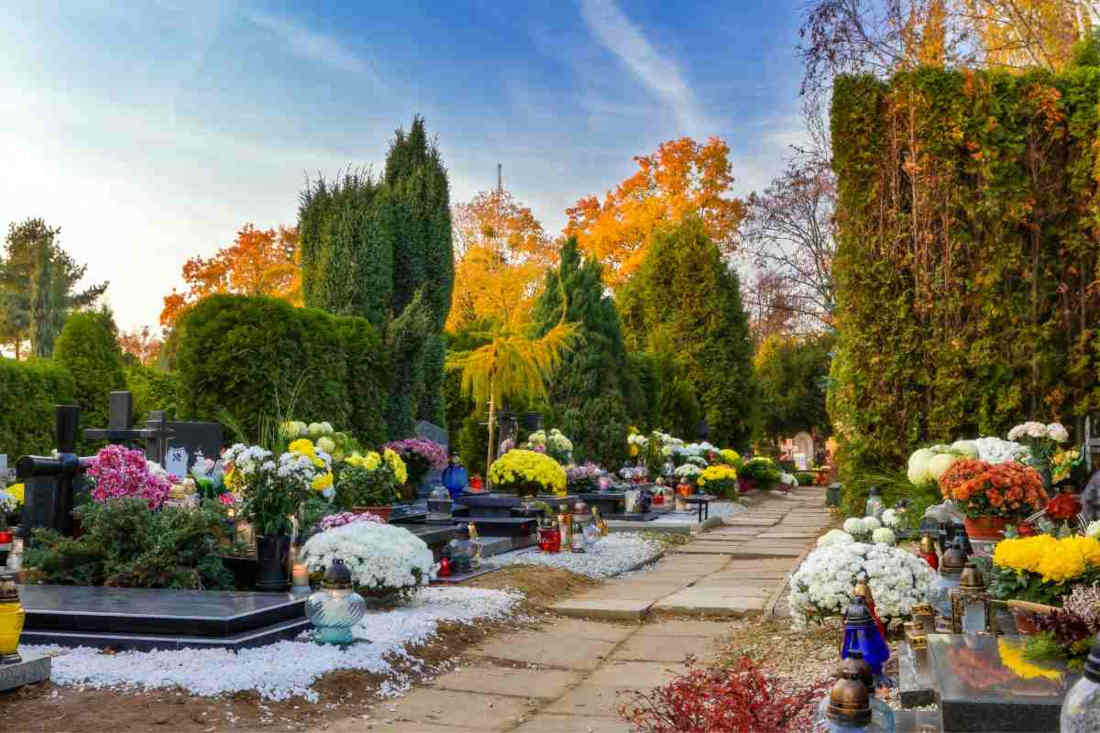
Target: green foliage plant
x,y
88,349
31,389
124,543
357,486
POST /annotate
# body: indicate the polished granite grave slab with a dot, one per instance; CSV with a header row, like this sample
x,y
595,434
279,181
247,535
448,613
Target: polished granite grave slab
x,y
983,683
914,677
158,618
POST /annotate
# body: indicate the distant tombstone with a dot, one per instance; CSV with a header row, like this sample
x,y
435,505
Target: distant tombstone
x,y
190,438
804,445
431,431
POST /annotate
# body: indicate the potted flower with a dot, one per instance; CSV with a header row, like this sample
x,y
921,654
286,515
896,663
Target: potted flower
x,y
117,471
759,473
991,495
585,477
420,456
369,483
719,479
527,473
272,490
553,443
1043,441
387,563
687,475
1043,569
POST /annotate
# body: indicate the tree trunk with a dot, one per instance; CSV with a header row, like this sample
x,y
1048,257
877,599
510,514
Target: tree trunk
x,y
492,417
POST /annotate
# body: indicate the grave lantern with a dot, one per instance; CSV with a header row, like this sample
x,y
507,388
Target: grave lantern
x,y
1081,708
971,606
454,477
336,608
875,506
11,620
439,506
928,552
856,668
861,633
848,708
951,567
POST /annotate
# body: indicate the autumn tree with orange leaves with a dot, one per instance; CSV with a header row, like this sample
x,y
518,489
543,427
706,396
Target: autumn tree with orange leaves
x,y
501,253
141,345
259,262
682,178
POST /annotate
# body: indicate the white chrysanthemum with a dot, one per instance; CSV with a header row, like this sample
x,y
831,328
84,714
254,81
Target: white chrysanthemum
x,y
890,518
870,524
379,556
834,537
854,526
883,536
995,450
1057,432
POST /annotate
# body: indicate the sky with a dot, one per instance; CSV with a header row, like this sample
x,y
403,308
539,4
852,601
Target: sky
x,y
150,132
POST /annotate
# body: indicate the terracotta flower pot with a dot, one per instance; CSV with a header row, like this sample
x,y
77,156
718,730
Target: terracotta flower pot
x,y
985,528
382,512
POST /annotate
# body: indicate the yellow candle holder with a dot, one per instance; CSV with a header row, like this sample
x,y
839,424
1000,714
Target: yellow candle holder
x,y
11,620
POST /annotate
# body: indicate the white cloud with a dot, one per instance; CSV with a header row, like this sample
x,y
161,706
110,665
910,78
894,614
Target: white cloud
x,y
311,45
659,74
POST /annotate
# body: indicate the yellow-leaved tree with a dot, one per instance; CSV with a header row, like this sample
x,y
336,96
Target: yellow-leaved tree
x,y
682,178
501,253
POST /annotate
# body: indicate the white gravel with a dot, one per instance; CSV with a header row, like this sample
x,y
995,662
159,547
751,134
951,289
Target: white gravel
x,y
288,668
612,555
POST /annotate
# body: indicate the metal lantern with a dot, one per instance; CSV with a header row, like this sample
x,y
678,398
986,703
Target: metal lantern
x,y
855,668
875,506
336,608
11,620
971,606
951,567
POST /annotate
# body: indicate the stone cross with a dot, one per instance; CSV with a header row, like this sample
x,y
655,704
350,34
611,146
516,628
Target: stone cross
x,y
50,481
120,428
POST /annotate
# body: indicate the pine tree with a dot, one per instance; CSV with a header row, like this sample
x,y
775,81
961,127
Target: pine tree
x,y
37,286
588,395
685,300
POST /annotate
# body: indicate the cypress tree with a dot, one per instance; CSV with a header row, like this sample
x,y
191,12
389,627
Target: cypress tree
x,y
686,301
588,395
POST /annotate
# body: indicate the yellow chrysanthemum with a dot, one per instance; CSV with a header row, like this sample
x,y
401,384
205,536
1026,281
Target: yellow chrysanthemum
x,y
1012,657
303,446
1025,553
19,492
400,471
322,482
234,481
528,466
717,472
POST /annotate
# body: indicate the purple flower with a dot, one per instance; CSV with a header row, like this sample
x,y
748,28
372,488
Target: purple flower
x,y
119,471
429,452
339,520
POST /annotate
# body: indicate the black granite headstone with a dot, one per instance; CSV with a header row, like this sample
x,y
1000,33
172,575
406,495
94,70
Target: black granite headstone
x,y
187,440
431,431
51,482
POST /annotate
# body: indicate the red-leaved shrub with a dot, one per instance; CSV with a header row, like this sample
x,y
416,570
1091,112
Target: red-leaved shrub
x,y
737,699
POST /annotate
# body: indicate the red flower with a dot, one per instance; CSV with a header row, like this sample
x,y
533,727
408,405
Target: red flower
x,y
1063,507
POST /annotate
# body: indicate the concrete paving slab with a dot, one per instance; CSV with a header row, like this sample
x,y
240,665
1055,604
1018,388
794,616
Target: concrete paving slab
x,y
711,602
545,649
573,628
604,608
684,627
549,723
533,683
459,709
359,725
637,674
592,701
665,649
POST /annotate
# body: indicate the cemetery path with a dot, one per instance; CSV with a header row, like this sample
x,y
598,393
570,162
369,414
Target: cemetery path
x,y
631,633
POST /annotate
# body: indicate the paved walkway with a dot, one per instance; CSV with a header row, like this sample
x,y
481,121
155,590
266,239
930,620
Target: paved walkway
x,y
568,676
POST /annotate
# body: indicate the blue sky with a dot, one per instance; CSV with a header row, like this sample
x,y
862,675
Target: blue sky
x,y
151,131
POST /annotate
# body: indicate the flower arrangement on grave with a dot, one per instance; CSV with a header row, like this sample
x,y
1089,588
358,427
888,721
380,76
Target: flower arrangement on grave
x,y
371,480
271,489
341,518
634,474
1008,490
584,477
8,505
335,444
1043,569
822,586
117,471
759,473
688,473
420,456
553,443
387,562
862,528
19,492
730,457
1063,465
1067,634
526,473
719,479
1041,440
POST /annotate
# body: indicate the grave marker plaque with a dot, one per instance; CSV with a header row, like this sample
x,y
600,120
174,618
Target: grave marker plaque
x,y
431,431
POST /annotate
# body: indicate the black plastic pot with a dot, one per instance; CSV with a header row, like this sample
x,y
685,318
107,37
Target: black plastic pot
x,y
271,563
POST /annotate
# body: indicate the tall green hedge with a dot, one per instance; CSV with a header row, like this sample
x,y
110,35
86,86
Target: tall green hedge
x,y
30,390
247,355
88,348
967,257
